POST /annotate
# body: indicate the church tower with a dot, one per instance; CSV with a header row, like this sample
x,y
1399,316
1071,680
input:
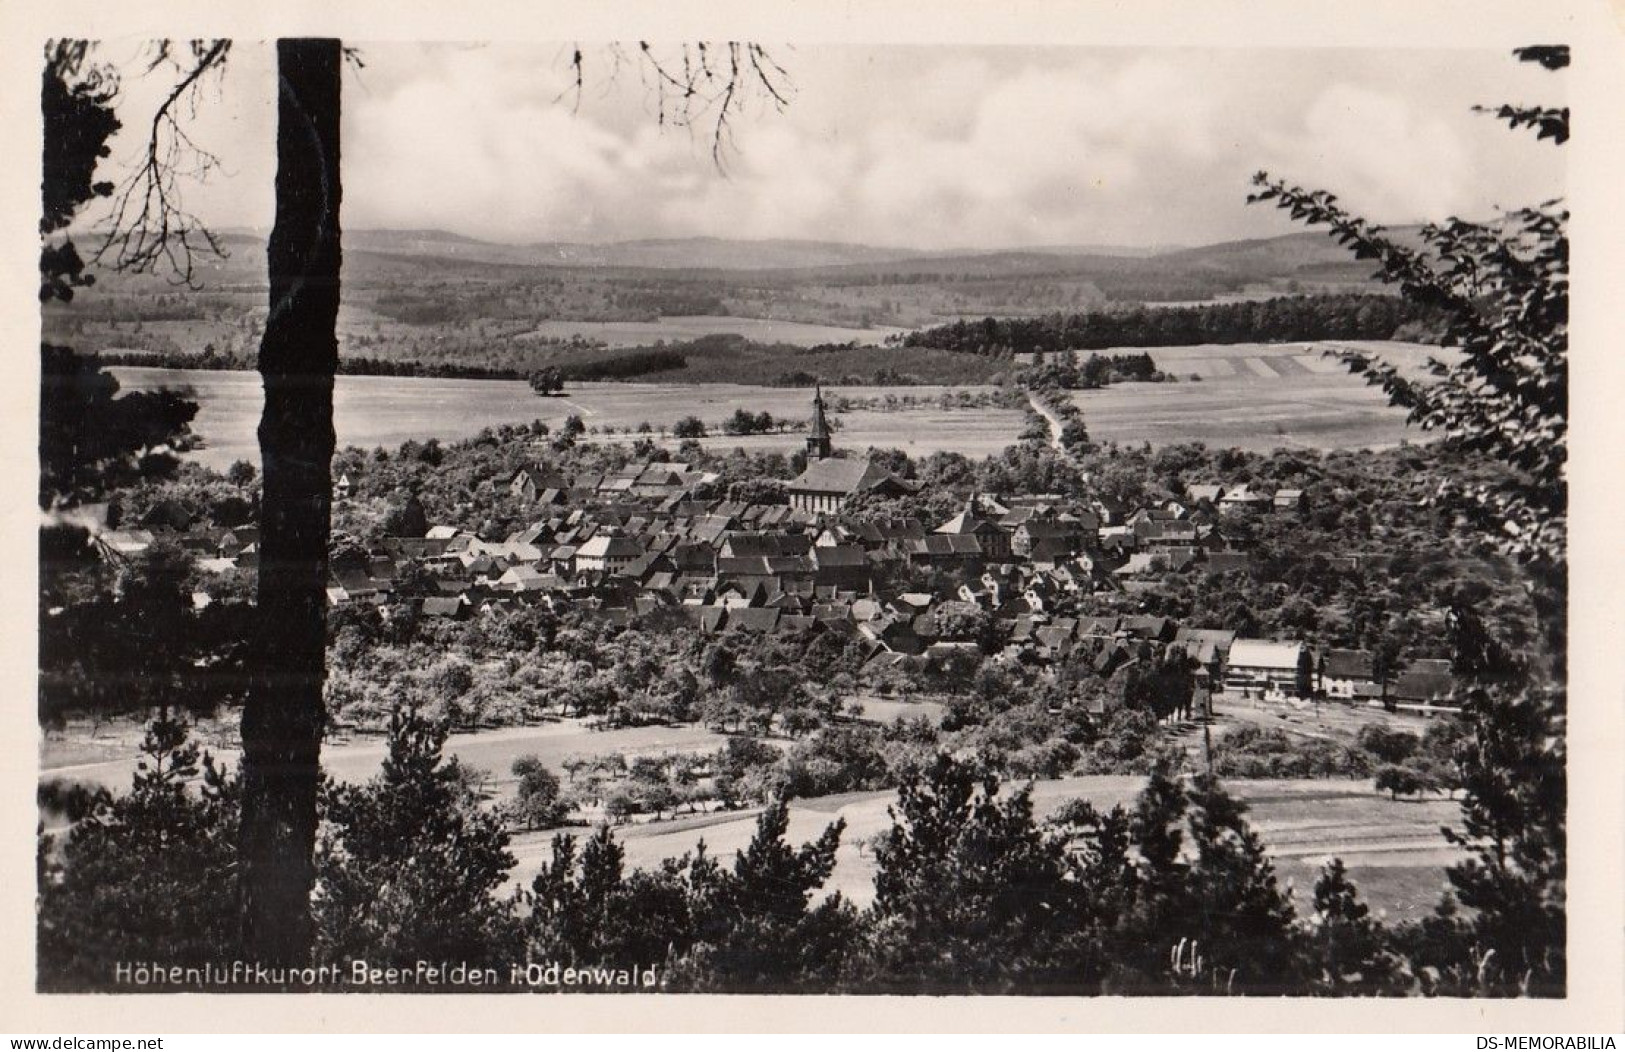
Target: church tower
x,y
818,444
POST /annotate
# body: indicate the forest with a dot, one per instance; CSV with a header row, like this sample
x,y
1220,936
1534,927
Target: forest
x,y
1279,319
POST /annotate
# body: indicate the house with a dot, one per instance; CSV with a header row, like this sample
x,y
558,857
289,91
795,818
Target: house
x,y
742,545
1288,500
524,579
828,484
753,621
1259,666
1425,681
1059,535
1343,673
528,482
1156,629
1167,533
994,542
444,607
845,566
167,516
1212,493
1242,498
944,550
607,553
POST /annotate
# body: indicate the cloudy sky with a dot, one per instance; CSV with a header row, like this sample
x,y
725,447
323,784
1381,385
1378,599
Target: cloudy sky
x,y
919,147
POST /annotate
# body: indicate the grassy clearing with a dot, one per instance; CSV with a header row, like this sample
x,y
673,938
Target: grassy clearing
x,y
1255,396
1258,397
671,329
388,410
1393,850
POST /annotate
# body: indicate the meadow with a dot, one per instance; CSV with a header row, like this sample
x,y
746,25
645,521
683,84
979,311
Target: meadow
x,y
1258,397
388,410
689,327
1393,849
1253,396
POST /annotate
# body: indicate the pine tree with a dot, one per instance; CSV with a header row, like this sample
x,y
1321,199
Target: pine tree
x,y
1514,777
757,930
1242,918
409,863
147,876
971,894
1346,945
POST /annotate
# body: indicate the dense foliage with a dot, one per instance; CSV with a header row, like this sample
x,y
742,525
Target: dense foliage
x,y
1276,320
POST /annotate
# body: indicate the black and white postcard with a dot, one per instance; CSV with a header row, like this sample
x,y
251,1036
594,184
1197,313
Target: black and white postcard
x,y
935,502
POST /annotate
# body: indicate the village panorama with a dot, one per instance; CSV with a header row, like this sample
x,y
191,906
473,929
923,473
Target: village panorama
x,y
754,608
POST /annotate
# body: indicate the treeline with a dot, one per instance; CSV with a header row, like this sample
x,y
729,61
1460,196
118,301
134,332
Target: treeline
x,y
1066,372
348,366
656,302
1284,318
623,365
974,891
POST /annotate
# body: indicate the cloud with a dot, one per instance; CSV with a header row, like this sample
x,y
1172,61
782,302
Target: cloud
x,y
929,147
1380,153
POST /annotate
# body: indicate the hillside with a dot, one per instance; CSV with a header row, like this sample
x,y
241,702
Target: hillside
x,y
429,296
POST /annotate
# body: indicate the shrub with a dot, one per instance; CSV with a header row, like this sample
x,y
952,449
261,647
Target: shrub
x,y
1269,752
1400,781
1386,744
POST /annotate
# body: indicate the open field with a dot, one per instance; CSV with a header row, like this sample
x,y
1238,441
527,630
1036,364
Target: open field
x,y
1255,396
890,710
388,410
689,327
1393,849
358,759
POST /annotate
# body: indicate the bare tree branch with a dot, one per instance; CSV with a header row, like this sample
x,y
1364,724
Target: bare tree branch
x,y
149,226
701,85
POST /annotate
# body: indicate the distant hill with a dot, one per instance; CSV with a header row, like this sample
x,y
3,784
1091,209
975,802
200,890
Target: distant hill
x,y
812,281
1309,256
696,253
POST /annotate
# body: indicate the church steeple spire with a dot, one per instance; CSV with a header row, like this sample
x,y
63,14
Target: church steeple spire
x,y
818,442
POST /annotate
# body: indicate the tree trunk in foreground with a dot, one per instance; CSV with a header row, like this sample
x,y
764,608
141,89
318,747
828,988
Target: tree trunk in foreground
x,y
284,716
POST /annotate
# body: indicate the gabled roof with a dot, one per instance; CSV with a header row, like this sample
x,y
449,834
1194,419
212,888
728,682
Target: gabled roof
x,y
125,542
604,547
1347,664
843,477
968,521
1263,653
740,544
1425,680
752,619
442,606
1219,636
840,555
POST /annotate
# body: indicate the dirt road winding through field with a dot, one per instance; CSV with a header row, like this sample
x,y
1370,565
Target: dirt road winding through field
x,y
1052,420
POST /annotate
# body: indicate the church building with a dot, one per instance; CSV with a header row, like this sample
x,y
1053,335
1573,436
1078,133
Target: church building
x,y
830,481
